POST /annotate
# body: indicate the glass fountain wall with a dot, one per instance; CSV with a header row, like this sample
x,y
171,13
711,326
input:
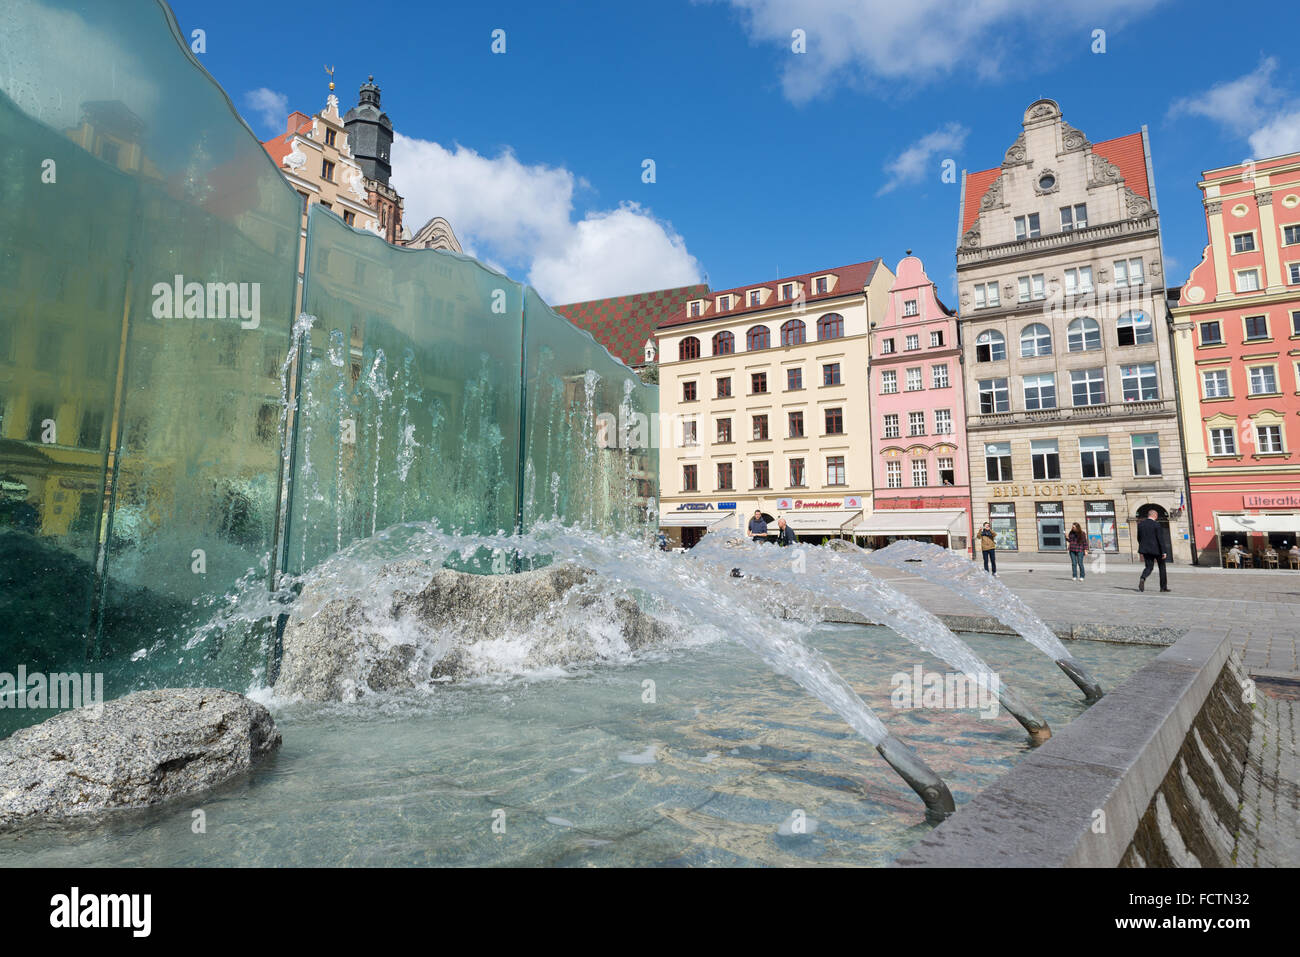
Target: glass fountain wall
x,y
148,261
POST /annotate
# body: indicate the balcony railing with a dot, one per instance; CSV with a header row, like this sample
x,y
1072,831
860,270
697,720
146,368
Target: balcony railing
x,y
1109,410
1073,237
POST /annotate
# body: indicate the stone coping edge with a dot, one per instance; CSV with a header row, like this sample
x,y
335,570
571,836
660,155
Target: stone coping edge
x,y
1067,631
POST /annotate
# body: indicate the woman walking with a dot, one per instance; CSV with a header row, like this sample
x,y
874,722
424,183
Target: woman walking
x,y
988,548
1078,548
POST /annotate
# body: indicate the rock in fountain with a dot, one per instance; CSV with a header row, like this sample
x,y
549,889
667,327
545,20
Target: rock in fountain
x,y
456,626
143,749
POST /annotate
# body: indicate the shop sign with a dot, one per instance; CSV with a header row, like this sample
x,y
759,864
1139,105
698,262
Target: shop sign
x,y
1073,488
1272,500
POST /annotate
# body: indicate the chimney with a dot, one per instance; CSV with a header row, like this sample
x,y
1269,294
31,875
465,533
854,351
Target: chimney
x,y
296,120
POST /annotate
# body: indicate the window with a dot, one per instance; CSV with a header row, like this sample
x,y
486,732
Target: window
x,y
910,307
986,295
755,297
1139,382
1248,280
1046,459
1243,242
1031,287
891,425
916,423
1295,323
761,479
821,284
835,470
695,308
688,392
947,474
994,396
787,292
894,474
724,387
1083,335
1290,235
997,461
1128,272
793,379
1223,442
913,342
1135,328
943,421
724,431
914,383
1002,517
1263,380
724,476
688,348
758,338
886,347
760,427
990,346
1146,454
724,302
793,332
939,376
329,137
1256,328
305,199
1211,333
830,326
920,474
1293,273
796,425
758,383
690,478
936,340
1051,526
1027,226
834,422
327,171
1215,384
1269,438
92,430
1088,386
1040,391
796,472
1078,281
690,432
349,217
1094,456
724,344
1074,217
888,382
1035,340
831,373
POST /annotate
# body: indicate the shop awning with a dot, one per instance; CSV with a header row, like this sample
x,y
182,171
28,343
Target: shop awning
x,y
915,522
701,519
820,521
1285,522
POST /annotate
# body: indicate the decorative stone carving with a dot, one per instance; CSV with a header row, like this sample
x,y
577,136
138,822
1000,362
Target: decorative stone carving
x,y
1215,208
1264,199
1102,171
1155,267
1017,153
993,198
357,184
1042,110
1072,140
1137,206
1056,182
971,240
296,159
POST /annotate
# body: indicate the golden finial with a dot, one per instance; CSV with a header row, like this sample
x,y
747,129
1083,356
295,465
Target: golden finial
x,y
330,71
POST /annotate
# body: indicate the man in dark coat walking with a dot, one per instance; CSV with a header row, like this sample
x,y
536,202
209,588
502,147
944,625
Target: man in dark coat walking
x,y
1152,548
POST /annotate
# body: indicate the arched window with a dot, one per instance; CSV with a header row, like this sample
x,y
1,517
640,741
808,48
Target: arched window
x,y
1035,340
990,346
793,332
758,338
1083,335
830,326
688,348
1134,328
724,344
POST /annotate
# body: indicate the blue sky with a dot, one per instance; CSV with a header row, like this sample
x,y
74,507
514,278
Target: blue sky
x,y
767,162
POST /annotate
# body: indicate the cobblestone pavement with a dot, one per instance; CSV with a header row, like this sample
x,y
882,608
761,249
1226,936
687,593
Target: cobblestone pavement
x,y
1259,609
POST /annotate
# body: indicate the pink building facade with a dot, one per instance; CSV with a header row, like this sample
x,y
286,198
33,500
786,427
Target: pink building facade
x,y
918,418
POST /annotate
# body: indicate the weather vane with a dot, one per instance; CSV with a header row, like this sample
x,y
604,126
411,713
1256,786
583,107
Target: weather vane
x,y
330,71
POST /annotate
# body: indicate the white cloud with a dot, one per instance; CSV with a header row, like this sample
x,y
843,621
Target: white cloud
x,y
522,216
910,165
268,107
857,41
1252,107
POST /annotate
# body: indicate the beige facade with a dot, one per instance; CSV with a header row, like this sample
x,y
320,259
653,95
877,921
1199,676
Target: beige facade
x,y
1070,391
782,428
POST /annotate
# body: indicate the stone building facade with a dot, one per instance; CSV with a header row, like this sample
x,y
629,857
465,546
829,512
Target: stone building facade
x,y
1071,403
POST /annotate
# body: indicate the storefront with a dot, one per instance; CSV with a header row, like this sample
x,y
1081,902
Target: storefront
x,y
1103,534
1051,526
815,520
1253,521
1264,539
685,525
947,528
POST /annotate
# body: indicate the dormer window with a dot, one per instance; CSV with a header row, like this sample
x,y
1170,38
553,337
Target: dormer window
x,y
696,305
821,283
724,302
787,290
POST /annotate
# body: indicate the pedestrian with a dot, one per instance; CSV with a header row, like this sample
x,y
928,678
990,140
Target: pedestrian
x,y
988,548
784,534
758,527
1152,549
1078,548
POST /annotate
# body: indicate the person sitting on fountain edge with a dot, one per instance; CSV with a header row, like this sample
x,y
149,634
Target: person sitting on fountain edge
x,y
758,527
784,534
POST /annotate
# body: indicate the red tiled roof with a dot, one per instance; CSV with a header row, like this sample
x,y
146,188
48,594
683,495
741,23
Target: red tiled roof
x,y
1125,152
622,324
852,278
278,146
